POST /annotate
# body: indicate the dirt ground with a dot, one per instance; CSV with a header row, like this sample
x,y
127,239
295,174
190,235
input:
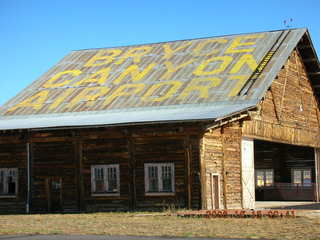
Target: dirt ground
x,y
141,224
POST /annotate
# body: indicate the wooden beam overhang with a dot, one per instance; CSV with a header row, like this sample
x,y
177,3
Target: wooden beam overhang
x,y
311,63
229,119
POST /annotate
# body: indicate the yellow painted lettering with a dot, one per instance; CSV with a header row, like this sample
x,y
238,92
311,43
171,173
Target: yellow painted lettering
x,y
134,72
135,53
246,59
224,63
103,57
237,42
99,77
168,51
195,85
55,81
124,90
174,86
172,69
199,48
58,100
89,95
36,101
238,86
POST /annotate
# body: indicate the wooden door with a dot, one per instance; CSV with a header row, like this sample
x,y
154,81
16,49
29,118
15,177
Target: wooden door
x,y
215,195
55,176
54,194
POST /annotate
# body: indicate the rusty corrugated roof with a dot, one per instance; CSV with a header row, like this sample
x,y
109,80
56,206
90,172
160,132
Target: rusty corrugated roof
x,y
180,80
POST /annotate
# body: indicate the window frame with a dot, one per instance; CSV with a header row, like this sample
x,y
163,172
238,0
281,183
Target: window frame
x,y
301,177
264,177
105,168
6,171
159,172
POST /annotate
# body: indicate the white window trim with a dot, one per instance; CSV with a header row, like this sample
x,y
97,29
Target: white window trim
x,y
146,179
6,171
105,167
264,180
301,169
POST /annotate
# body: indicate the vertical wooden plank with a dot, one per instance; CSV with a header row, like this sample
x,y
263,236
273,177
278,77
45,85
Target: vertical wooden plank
x,y
60,194
248,186
212,191
215,178
188,172
80,177
203,178
132,169
317,171
48,183
29,177
283,90
31,154
224,169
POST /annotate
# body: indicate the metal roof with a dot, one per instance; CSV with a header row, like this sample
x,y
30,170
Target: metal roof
x,y
183,80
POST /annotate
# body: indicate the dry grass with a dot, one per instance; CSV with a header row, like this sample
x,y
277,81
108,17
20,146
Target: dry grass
x,y
133,224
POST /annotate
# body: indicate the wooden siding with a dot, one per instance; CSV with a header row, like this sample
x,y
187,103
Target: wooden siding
x,y
131,148
13,154
69,154
222,155
54,160
107,150
289,112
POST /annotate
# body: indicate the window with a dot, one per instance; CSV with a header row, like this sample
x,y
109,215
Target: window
x,y
8,181
264,177
301,177
105,179
159,178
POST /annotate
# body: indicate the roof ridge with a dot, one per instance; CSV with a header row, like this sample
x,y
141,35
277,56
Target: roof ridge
x,y
187,39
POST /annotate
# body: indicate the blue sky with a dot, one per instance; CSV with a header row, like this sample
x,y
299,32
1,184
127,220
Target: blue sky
x,y
35,34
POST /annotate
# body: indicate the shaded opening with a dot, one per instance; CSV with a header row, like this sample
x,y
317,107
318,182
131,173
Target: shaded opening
x,y
284,172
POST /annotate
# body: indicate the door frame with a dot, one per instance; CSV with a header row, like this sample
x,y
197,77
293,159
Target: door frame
x,y
49,181
213,198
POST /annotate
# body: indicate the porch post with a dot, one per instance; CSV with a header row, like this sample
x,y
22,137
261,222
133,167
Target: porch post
x,y
317,172
247,168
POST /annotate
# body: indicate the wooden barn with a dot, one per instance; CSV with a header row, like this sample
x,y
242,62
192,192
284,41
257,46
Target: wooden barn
x,y
210,123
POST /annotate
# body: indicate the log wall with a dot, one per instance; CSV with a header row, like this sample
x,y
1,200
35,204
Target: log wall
x,y
69,155
54,160
289,112
221,154
13,154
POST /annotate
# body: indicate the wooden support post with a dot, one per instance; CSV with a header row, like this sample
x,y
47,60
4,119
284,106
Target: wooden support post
x,y
296,56
317,114
48,181
224,170
132,177
212,191
29,178
283,91
247,169
80,178
275,106
317,172
188,172
203,178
